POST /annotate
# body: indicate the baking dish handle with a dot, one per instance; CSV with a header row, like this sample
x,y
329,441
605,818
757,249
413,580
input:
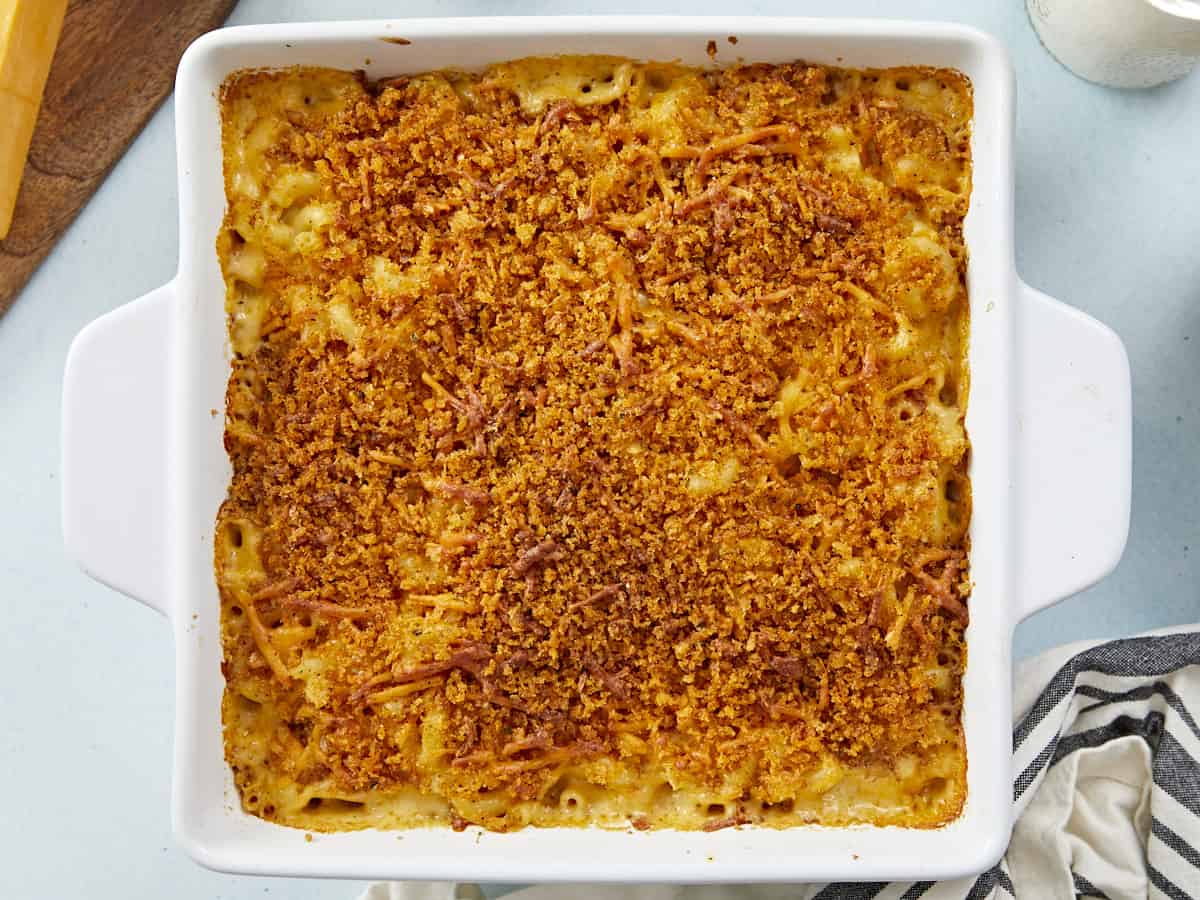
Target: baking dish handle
x,y
1074,456
114,447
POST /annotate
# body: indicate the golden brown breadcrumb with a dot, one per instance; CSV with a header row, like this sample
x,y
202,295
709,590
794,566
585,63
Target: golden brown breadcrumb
x,y
562,438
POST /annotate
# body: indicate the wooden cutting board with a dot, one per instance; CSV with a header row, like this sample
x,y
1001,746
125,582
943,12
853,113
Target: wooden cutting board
x,y
114,65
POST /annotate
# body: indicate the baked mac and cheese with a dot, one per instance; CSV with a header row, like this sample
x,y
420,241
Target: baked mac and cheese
x,y
598,447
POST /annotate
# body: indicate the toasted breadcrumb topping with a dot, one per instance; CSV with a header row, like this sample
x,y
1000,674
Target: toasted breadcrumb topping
x,y
617,441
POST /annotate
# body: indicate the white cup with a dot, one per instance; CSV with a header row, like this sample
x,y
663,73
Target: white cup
x,y
1121,43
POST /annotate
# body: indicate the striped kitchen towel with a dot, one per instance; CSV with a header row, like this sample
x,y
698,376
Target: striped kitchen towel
x,y
1107,792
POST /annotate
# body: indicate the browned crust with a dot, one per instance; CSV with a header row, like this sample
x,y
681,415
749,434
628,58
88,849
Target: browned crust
x,y
593,595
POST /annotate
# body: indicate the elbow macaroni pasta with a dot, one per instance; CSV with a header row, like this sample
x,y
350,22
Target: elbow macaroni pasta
x,y
598,445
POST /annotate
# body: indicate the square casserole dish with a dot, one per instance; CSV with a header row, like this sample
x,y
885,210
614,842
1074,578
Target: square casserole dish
x,y
144,466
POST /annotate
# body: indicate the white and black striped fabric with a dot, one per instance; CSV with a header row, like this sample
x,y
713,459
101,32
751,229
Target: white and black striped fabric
x,y
1106,791
1141,689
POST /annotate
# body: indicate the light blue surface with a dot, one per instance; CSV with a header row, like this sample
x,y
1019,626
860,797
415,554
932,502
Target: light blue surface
x,y
1108,193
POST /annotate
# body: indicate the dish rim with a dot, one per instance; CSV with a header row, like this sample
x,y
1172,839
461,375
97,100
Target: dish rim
x,y
988,832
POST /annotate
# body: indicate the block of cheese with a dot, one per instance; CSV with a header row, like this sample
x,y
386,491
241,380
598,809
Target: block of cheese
x,y
28,35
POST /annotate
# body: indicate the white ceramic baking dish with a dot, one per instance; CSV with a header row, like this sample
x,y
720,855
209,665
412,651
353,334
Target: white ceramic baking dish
x,y
144,469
